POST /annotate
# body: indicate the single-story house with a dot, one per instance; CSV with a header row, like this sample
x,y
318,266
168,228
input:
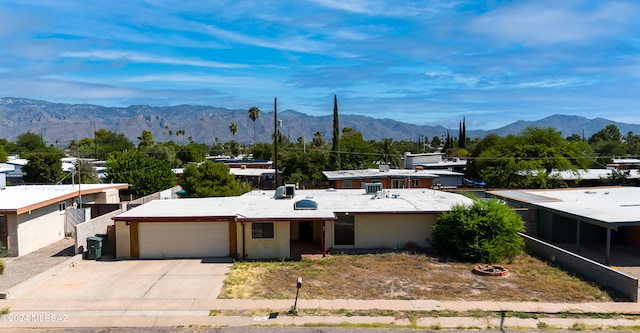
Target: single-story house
x,y
34,216
389,178
604,215
433,161
281,224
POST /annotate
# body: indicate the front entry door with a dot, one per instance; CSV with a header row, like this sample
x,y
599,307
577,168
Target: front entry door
x,y
305,230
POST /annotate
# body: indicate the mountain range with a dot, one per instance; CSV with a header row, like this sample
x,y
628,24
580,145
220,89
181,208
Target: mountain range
x,y
60,123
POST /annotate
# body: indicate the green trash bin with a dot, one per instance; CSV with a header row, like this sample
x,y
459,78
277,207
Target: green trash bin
x,y
104,239
94,248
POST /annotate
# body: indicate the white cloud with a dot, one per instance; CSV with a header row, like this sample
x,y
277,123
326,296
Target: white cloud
x,y
549,22
142,58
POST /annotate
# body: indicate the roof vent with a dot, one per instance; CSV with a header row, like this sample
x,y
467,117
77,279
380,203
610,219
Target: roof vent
x,y
287,191
372,188
383,168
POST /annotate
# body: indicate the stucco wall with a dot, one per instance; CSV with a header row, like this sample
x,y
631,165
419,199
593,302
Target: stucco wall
x,y
106,197
91,228
392,231
12,234
123,240
39,228
623,283
277,247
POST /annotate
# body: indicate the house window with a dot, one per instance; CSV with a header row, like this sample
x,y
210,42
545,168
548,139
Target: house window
x,y
262,230
344,230
348,183
415,182
397,183
62,206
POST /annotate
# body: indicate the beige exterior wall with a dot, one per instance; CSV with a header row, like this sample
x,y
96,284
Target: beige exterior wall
x,y
39,228
392,231
277,247
123,240
12,234
107,197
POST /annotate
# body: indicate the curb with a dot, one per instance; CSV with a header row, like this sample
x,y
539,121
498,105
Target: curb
x,y
41,276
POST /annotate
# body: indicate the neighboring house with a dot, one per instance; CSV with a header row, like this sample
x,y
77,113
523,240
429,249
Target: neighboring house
x,y
15,177
602,215
264,179
431,161
586,178
389,178
281,224
34,216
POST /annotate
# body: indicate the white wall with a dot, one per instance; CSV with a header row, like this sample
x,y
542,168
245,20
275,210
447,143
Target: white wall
x,y
39,228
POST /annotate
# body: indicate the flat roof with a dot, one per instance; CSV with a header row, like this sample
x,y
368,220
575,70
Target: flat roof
x,y
261,205
605,204
376,173
19,199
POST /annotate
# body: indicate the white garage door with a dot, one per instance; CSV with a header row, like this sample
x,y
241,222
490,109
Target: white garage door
x,y
183,239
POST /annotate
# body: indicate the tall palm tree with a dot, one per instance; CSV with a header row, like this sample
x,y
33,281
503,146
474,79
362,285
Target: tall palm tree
x,y
254,114
233,127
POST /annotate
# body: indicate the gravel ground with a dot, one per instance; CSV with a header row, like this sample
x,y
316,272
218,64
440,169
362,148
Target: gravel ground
x,y
19,269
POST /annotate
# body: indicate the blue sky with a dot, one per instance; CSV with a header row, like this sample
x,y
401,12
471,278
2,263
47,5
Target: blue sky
x,y
422,62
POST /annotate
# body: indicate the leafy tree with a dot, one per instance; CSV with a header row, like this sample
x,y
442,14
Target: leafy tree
x,y
436,142
211,179
262,151
29,142
8,146
193,152
632,142
527,160
146,140
608,133
486,231
254,114
86,172
44,167
574,137
304,168
608,142
145,175
103,144
3,155
388,154
357,153
318,140
164,152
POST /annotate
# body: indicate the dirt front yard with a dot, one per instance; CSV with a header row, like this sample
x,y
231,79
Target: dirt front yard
x,y
406,276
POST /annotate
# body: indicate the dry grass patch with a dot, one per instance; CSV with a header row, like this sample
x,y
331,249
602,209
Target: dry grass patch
x,y
405,276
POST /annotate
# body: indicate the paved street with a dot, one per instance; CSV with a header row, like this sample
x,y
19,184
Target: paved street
x,y
174,294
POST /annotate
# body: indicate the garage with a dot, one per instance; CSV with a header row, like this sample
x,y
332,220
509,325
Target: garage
x,y
183,239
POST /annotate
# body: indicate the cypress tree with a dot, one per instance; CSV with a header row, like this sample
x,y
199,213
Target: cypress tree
x,y
334,157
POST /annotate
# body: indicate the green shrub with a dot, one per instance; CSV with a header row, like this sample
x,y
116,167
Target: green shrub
x,y
486,231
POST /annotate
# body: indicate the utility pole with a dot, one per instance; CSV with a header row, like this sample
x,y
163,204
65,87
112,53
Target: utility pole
x,y
275,138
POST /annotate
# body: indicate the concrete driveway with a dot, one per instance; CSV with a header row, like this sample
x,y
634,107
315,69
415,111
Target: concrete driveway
x,y
131,279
